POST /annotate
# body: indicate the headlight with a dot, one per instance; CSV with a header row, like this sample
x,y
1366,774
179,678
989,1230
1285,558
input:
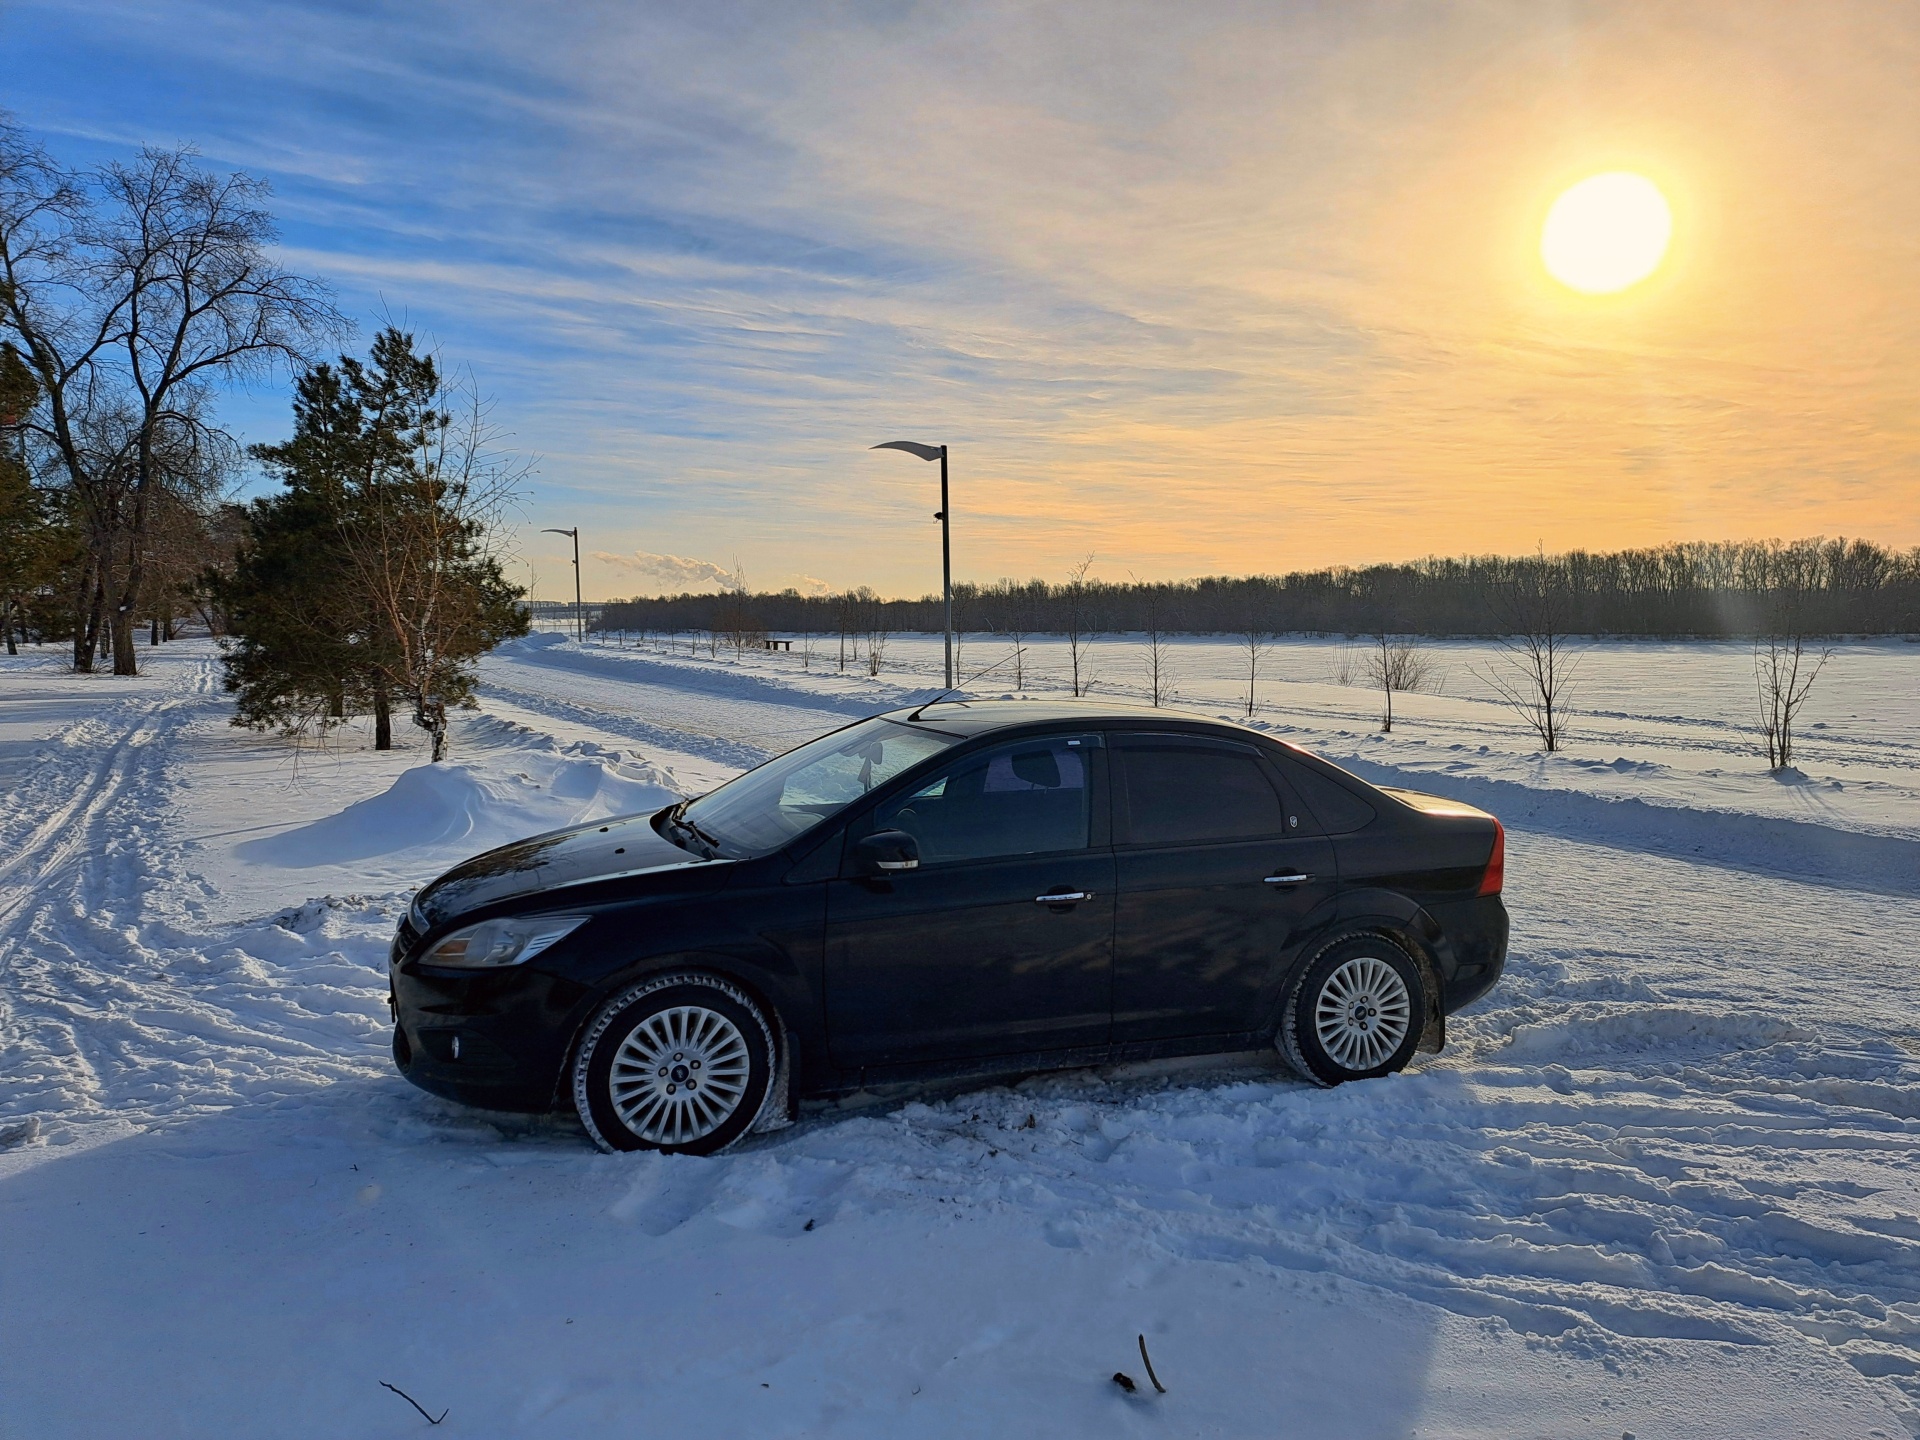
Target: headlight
x,y
495,943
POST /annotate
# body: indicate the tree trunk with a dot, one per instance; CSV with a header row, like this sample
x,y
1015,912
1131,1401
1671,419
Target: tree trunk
x,y
166,627
124,658
99,630
382,720
84,637
12,649
153,632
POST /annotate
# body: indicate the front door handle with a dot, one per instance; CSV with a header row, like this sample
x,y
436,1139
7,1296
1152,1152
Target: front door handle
x,y
1069,897
1296,878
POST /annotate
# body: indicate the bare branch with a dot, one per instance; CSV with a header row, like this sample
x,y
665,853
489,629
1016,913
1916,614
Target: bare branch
x,y
431,1420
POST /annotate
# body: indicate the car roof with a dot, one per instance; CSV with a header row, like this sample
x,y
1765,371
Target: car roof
x,y
983,717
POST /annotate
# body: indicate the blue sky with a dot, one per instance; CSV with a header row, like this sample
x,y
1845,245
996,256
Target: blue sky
x,y
1193,288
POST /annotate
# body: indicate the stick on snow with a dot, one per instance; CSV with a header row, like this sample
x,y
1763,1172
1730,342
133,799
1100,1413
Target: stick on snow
x,y
417,1405
1149,1364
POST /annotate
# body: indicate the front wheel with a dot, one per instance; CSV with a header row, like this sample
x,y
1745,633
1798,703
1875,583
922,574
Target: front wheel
x,y
680,1063
1356,1012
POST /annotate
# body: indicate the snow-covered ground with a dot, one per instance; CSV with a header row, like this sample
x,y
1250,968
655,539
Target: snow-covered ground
x,y
1663,1181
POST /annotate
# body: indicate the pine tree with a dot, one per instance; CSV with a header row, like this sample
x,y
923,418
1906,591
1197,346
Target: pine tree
x,y
368,578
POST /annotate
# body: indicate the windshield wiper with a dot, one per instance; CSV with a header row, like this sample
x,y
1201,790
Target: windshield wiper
x,y
679,825
705,839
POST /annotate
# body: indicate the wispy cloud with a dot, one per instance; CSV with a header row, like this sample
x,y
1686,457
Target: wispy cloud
x,y
1208,287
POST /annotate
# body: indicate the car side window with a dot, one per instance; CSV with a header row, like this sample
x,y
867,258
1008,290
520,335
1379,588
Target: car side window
x,y
1339,810
1176,793
1029,798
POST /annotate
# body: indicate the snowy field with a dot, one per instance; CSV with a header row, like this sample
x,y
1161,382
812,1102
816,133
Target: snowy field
x,y
1665,1181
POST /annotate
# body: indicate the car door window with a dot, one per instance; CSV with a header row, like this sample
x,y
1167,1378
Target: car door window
x,y
1029,798
1178,794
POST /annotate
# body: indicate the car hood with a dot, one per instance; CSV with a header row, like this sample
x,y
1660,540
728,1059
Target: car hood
x,y
599,850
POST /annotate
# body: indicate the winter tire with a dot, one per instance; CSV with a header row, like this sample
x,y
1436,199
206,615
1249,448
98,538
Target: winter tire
x,y
1357,1011
681,1063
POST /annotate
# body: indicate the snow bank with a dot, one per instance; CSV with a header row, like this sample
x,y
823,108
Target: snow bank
x,y
848,694
438,807
1888,864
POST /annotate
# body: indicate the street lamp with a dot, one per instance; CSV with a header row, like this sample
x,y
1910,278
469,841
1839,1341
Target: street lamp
x,y
579,612
937,452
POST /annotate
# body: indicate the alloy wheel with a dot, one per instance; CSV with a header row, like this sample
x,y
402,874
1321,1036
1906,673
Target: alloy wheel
x,y
1362,1013
679,1075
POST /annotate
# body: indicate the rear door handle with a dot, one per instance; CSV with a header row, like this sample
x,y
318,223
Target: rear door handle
x,y
1296,878
1070,897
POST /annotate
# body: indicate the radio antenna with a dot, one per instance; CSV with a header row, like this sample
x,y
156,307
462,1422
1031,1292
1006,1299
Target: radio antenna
x,y
955,690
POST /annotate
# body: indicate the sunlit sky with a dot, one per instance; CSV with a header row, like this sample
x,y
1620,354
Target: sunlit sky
x,y
1197,288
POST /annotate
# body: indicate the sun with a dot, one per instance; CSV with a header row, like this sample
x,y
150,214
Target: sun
x,y
1606,233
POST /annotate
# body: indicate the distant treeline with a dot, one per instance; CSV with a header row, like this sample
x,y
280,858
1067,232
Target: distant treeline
x,y
1726,589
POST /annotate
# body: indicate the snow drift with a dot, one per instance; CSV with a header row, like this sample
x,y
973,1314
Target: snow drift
x,y
445,807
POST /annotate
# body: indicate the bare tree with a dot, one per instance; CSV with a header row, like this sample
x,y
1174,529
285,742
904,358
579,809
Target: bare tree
x,y
963,605
736,619
1349,665
874,623
1396,663
418,540
843,606
1784,668
1078,619
1010,614
1534,671
1256,648
132,292
1784,671
1158,661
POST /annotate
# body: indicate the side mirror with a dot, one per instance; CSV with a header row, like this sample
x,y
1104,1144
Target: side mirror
x,y
885,851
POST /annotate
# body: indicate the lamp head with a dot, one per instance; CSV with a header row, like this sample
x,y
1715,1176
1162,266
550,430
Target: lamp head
x,y
914,447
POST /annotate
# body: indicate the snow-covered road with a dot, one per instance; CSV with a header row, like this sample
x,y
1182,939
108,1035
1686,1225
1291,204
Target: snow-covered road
x,y
1663,1181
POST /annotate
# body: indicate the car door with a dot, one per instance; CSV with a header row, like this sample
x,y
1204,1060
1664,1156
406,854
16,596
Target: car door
x,y
1217,868
968,956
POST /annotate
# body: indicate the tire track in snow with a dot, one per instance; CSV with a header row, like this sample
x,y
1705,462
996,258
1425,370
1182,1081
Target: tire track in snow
x,y
39,848
113,1001
613,723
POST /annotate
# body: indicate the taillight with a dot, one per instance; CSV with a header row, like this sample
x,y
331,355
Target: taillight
x,y
1496,875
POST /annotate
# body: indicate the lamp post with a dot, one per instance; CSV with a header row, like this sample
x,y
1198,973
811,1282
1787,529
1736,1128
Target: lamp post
x,y
579,612
937,452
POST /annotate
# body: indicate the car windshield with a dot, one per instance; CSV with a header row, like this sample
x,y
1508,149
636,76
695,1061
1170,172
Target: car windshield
x,y
784,798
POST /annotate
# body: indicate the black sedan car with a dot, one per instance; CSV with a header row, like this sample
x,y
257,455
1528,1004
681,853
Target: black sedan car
x,y
965,888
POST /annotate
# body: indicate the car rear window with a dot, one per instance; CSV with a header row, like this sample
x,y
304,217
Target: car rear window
x,y
1189,794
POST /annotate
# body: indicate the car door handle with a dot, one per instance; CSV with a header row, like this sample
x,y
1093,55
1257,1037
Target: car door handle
x,y
1069,897
1296,878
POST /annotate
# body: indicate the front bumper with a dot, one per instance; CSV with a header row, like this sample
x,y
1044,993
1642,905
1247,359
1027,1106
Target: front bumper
x,y
498,1041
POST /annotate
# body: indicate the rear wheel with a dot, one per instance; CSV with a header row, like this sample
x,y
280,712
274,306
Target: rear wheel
x,y
681,1064
1356,1012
